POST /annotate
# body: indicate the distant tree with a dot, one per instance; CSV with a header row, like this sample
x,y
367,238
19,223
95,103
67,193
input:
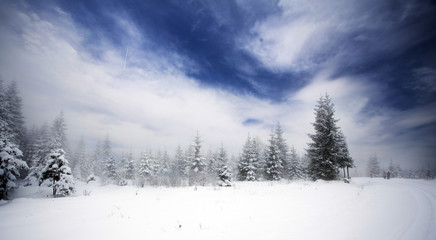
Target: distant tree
x,y
58,134
130,167
273,164
295,170
145,168
197,171
324,151
57,174
249,162
81,166
110,171
97,160
14,116
180,164
395,170
38,149
282,151
373,168
224,174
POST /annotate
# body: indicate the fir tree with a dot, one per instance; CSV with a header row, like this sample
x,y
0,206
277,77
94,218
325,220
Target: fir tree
x,y
248,165
273,164
130,167
57,174
323,150
109,161
196,175
10,163
373,168
180,163
14,116
295,170
145,168
282,150
224,174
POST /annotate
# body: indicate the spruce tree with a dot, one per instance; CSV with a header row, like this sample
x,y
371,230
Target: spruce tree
x,y
373,168
10,163
282,150
273,164
130,167
145,168
295,170
14,118
223,172
57,174
10,154
249,161
197,175
323,150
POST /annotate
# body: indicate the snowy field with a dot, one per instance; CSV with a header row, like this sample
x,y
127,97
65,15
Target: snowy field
x,y
365,209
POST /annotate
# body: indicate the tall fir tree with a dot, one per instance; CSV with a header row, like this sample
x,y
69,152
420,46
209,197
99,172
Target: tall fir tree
x,y
324,151
273,164
14,116
282,150
197,171
10,130
249,161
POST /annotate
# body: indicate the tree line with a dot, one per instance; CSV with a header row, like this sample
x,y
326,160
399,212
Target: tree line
x,y
41,155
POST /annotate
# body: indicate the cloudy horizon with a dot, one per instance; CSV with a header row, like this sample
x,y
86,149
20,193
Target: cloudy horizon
x,y
151,74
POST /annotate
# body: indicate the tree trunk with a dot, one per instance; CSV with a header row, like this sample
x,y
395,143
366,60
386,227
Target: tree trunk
x,y
54,188
348,172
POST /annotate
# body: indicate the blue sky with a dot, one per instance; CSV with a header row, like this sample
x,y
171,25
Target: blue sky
x,y
152,73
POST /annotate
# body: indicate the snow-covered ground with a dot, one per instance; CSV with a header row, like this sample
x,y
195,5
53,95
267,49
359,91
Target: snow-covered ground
x,y
365,209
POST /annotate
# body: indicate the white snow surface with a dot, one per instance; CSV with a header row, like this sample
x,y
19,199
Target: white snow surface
x,y
367,208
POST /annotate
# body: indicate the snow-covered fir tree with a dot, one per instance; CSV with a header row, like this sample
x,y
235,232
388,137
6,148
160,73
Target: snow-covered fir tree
x,y
295,170
10,138
273,164
41,148
57,174
395,170
82,168
13,114
180,164
282,150
109,167
146,168
249,162
323,150
224,174
130,167
97,160
10,163
197,169
373,167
